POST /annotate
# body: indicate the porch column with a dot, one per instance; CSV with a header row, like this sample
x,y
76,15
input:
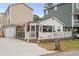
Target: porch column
x,y
52,33
35,31
39,36
29,34
26,34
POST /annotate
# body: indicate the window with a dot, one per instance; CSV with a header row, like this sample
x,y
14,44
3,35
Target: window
x,y
75,30
32,28
76,17
55,8
64,29
47,28
53,28
46,12
67,29
20,31
77,5
37,27
58,28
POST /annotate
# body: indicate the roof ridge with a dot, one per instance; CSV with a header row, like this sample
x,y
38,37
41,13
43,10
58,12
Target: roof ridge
x,y
21,3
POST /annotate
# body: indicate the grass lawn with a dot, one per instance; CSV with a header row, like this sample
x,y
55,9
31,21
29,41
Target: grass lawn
x,y
66,45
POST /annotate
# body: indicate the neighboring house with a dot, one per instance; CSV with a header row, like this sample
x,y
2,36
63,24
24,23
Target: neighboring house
x,y
68,13
1,23
16,16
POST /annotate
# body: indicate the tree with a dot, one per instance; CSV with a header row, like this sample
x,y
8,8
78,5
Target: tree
x,y
48,5
36,17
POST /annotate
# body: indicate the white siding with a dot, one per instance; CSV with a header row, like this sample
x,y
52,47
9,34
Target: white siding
x,y
50,22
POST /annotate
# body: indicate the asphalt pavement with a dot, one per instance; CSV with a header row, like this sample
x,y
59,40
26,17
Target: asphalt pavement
x,y
67,53
16,47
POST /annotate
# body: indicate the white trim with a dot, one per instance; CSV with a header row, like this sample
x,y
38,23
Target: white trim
x,y
72,14
30,32
38,33
35,31
54,18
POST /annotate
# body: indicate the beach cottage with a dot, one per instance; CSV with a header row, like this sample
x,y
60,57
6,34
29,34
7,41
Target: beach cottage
x,y
45,28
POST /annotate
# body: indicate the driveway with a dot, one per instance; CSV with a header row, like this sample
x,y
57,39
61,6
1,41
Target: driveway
x,y
16,47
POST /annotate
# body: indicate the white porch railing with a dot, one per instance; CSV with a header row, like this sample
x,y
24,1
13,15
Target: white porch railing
x,y
76,21
54,35
49,35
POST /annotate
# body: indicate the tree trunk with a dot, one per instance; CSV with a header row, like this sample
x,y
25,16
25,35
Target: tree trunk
x,y
57,44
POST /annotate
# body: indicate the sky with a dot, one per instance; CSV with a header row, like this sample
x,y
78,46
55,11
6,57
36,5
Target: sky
x,y
37,8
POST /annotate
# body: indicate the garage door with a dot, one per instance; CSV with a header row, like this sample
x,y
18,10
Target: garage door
x,y
10,32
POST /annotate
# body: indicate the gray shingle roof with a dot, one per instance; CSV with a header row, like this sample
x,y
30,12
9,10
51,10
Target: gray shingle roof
x,y
36,21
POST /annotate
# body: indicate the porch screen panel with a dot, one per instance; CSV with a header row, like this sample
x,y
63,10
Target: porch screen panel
x,y
32,31
20,32
32,28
